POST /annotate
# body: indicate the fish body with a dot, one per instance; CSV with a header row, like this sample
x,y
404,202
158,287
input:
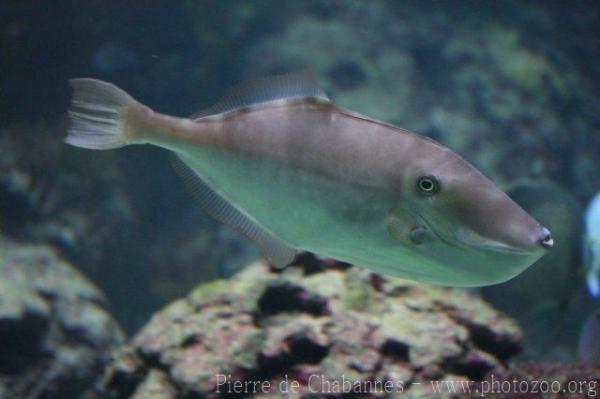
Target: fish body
x,y
591,246
293,171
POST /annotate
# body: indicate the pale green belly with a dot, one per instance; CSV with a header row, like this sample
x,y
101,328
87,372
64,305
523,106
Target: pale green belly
x,y
306,210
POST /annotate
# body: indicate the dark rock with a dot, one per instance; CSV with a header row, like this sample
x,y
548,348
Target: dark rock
x,y
288,297
55,332
238,331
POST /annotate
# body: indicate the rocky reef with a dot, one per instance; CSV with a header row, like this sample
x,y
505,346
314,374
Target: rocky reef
x,y
307,328
55,332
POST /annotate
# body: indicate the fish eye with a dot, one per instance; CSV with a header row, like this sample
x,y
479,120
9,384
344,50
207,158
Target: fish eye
x,y
428,185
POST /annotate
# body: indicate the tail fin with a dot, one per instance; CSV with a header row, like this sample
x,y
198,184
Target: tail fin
x,y
96,115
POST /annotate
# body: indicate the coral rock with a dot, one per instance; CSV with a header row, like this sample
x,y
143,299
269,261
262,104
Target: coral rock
x,y
303,331
55,333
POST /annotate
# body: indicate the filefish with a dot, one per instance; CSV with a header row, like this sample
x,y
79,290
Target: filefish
x,y
283,164
591,246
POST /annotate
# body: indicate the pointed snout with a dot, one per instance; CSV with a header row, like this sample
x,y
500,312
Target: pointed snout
x,y
545,238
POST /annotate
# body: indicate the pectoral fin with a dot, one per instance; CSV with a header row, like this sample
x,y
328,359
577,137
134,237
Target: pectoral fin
x,y
420,234
399,228
406,231
275,250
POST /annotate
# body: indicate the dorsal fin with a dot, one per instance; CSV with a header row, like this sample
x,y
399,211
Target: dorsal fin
x,y
275,250
299,84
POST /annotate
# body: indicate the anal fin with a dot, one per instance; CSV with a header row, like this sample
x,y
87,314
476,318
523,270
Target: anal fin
x,y
274,249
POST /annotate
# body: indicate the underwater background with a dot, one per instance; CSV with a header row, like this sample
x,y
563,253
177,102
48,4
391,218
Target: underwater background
x,y
92,245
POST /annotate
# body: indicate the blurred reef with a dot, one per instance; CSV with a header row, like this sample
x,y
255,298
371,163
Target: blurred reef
x,y
511,86
55,331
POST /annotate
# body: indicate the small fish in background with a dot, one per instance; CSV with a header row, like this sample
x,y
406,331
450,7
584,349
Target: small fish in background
x,y
588,348
280,162
114,57
591,246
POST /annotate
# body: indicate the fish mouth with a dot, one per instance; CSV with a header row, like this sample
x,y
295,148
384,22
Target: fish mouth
x,y
505,248
470,240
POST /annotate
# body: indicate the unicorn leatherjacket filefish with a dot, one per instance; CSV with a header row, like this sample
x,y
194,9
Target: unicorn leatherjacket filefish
x,y
280,162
